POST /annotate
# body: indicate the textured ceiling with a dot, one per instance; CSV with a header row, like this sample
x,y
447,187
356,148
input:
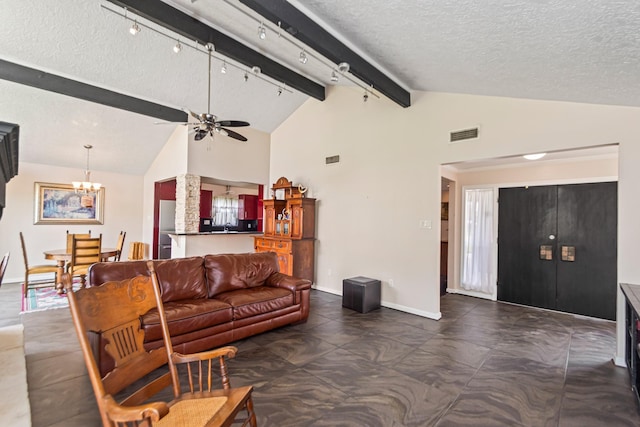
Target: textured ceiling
x,y
570,50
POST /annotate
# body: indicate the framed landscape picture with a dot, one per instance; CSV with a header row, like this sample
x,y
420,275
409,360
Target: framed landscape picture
x,y
62,204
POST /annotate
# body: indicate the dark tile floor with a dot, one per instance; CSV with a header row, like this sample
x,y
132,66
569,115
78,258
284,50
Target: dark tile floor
x,y
483,364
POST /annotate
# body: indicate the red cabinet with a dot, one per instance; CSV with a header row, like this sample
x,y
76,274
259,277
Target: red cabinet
x,y
247,206
206,197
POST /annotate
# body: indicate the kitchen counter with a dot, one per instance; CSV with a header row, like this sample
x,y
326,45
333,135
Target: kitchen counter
x,y
207,233
214,242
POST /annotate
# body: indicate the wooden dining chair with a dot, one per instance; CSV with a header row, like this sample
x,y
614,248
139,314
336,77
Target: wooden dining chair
x,y
120,245
113,311
84,252
3,266
70,238
30,270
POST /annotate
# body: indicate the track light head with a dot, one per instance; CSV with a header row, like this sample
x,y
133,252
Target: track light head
x,y
344,67
256,69
223,68
135,29
262,32
334,76
246,76
177,48
279,91
365,97
303,57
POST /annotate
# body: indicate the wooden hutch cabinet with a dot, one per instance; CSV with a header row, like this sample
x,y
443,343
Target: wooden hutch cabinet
x,y
289,229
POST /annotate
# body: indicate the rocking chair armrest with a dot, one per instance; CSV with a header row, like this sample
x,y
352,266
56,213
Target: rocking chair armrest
x,y
227,351
152,411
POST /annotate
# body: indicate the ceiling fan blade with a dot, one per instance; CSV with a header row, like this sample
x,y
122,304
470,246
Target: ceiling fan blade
x,y
234,135
233,123
192,114
200,134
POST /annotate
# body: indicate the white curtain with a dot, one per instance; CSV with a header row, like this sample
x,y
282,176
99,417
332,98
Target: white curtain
x,y
225,210
478,240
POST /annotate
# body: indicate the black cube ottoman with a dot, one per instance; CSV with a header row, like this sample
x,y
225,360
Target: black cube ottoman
x,y
361,294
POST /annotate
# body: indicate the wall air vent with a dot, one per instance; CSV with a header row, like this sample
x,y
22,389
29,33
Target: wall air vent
x,y
332,159
463,135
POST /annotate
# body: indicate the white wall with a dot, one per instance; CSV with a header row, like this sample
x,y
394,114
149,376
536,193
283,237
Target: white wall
x,y
232,160
122,209
371,203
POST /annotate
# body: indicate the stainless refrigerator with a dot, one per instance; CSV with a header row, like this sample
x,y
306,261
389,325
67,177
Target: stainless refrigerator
x,y
166,225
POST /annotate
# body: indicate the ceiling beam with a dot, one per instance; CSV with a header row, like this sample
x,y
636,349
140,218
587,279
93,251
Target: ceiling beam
x,y
189,27
54,83
313,35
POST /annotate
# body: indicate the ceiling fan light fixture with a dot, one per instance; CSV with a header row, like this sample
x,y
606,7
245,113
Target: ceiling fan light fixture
x,y
135,29
344,67
262,32
536,156
303,57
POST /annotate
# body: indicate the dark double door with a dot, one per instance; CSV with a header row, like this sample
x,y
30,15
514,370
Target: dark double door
x,y
557,247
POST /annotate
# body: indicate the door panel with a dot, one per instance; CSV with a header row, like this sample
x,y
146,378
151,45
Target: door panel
x,y
582,217
526,219
587,220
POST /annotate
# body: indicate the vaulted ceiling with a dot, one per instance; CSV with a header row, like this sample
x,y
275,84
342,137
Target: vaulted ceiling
x,y
568,50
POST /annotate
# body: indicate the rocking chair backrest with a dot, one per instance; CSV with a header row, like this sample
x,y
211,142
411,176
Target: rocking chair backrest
x,y
113,310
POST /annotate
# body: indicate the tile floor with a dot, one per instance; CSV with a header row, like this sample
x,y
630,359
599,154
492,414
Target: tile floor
x,y
483,364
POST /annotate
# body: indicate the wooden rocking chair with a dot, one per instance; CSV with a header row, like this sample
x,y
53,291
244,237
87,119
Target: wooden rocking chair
x,y
114,310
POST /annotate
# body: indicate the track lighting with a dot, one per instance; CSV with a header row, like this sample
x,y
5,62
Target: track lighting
x,y
135,29
246,76
262,32
365,97
344,67
177,48
223,68
303,57
334,76
256,69
279,91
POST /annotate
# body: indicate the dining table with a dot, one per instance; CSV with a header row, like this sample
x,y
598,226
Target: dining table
x,y
62,256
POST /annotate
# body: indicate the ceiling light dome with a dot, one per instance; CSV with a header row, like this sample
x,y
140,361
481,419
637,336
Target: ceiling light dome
x,y
535,156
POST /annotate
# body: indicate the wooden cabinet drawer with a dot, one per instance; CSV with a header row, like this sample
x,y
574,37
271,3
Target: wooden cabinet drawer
x,y
281,246
263,243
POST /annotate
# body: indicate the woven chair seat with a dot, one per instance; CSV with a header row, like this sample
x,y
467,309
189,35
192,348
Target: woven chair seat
x,y
192,412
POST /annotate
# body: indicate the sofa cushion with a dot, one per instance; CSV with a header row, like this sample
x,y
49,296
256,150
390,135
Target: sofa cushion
x,y
186,316
258,300
238,271
181,278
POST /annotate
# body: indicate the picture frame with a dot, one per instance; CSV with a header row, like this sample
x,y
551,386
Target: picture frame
x,y
62,204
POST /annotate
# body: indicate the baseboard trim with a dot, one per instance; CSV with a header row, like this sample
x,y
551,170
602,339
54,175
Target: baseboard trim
x,y
427,314
471,294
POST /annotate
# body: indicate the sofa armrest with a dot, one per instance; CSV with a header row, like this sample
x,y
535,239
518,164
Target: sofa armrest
x,y
294,284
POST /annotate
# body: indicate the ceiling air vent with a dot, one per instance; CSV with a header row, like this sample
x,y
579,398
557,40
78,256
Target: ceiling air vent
x,y
463,135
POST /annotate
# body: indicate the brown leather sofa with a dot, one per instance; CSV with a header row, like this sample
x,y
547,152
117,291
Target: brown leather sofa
x,y
213,300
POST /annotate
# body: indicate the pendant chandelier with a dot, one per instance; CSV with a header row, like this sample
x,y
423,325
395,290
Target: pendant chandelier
x,y
86,185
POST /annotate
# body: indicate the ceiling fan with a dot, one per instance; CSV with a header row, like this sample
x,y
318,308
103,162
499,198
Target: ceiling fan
x,y
208,123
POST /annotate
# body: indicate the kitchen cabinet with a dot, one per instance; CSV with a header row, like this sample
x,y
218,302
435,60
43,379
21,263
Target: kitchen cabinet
x,y
289,230
206,199
247,206
632,334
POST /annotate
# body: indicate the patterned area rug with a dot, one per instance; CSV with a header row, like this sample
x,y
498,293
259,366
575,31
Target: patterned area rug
x,y
39,299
